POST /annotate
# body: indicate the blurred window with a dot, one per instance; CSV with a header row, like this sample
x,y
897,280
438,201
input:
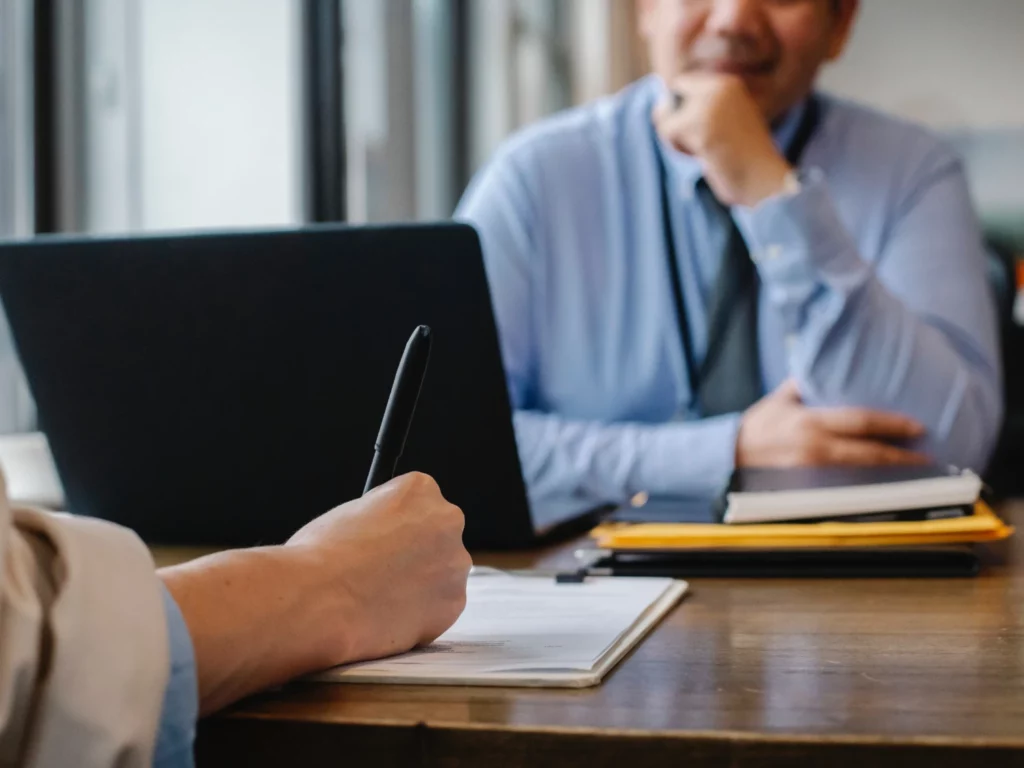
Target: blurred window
x,y
17,192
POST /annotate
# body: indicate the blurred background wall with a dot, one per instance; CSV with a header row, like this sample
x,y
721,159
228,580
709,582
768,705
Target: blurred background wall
x,y
957,67
191,113
139,115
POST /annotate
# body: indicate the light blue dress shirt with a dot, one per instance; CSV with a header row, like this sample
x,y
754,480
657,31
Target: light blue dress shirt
x,y
181,698
874,293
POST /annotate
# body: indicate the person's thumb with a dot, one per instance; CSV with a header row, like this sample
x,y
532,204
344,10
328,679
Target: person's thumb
x,y
789,390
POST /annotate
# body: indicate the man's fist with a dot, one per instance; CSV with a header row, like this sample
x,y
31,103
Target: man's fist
x,y
719,123
398,561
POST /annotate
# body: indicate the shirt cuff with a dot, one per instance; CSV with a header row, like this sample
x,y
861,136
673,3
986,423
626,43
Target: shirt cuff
x,y
181,698
799,242
690,458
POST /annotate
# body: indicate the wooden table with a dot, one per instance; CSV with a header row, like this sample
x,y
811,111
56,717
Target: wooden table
x,y
743,673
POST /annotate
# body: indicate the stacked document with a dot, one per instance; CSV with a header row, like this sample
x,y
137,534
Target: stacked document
x,y
530,631
821,493
982,526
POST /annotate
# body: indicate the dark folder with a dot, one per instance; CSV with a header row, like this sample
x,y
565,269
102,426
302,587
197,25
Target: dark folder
x,y
909,562
870,562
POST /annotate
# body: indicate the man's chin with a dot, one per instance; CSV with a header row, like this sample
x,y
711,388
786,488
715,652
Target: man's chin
x,y
761,90
757,80
743,71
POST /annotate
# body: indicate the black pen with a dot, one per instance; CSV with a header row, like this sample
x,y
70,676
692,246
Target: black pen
x,y
405,392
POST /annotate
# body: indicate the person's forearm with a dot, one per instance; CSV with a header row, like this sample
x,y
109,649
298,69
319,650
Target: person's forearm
x,y
853,342
913,369
257,618
612,462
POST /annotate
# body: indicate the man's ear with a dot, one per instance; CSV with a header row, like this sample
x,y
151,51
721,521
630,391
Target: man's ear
x,y
645,13
845,13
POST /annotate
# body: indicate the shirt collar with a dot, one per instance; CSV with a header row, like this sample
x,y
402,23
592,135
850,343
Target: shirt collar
x,y
687,171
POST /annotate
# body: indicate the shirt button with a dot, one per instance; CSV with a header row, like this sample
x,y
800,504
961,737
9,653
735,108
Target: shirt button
x,y
791,340
772,252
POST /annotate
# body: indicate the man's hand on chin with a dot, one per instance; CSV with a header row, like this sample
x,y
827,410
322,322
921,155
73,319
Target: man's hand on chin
x,y
719,123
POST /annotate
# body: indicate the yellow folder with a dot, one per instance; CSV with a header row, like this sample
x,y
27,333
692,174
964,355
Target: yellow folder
x,y
982,526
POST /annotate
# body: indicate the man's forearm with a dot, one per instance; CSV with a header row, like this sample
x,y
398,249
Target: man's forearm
x,y
257,618
929,354
611,462
371,578
913,369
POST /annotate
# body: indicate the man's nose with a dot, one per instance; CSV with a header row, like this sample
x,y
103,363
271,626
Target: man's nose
x,y
735,17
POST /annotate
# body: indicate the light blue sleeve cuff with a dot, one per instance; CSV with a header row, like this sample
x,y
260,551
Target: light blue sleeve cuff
x,y
689,458
799,242
181,699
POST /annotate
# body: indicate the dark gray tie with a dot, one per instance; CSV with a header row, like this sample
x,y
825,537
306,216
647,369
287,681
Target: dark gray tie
x,y
730,375
728,380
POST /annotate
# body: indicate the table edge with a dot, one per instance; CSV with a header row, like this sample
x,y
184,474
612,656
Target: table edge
x,y
707,736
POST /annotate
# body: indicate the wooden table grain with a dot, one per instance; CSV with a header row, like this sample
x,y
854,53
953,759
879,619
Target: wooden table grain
x,y
745,672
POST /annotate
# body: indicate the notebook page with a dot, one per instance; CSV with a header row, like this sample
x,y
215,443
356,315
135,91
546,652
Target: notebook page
x,y
525,624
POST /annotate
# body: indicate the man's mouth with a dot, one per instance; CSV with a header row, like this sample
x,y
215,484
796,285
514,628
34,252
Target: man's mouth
x,y
739,68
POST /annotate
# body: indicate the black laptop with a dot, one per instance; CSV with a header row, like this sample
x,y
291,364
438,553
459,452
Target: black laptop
x,y
226,388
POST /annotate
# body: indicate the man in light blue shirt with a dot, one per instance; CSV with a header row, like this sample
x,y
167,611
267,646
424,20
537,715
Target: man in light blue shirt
x,y
873,333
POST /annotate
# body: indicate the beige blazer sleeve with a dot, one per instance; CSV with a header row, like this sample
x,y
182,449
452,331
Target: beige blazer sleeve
x,y
83,643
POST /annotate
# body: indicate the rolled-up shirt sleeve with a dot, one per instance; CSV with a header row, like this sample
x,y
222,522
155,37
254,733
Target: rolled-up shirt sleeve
x,y
83,643
181,698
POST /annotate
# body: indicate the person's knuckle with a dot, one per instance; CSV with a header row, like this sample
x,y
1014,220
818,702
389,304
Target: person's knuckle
x,y
860,422
902,457
453,603
459,605
423,487
402,484
452,517
815,450
423,482
888,456
446,608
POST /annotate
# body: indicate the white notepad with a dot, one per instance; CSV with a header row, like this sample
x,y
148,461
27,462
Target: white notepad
x,y
530,631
